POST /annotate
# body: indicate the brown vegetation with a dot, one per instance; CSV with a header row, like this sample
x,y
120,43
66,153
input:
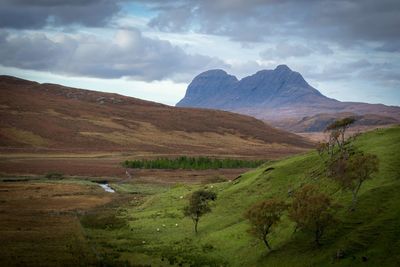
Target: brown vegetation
x,y
263,216
55,118
312,211
317,123
47,127
39,224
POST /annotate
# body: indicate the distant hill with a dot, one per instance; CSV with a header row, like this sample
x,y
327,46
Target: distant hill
x,y
52,117
280,96
319,122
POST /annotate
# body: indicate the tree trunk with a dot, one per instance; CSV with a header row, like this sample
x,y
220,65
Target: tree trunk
x,y
354,199
266,242
196,221
343,137
318,234
353,202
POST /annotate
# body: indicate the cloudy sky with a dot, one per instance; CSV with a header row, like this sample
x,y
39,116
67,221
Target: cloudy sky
x,y
151,49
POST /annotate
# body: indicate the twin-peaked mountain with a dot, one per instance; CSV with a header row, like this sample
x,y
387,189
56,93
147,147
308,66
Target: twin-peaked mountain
x,y
280,96
268,88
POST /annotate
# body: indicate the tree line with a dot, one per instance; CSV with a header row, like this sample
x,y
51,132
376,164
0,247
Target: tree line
x,y
195,163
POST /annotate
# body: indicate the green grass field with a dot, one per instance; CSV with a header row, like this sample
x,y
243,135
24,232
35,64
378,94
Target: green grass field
x,y
156,232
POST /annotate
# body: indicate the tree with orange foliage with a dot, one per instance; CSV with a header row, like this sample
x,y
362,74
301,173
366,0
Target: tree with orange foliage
x,y
263,216
312,211
351,173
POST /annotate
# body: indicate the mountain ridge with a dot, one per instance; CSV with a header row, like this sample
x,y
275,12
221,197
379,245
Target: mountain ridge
x,y
264,83
273,96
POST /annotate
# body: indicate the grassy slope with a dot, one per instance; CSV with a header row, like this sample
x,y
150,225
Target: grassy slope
x,y
372,231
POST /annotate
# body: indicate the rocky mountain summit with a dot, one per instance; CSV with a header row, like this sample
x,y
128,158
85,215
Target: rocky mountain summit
x,y
280,96
267,88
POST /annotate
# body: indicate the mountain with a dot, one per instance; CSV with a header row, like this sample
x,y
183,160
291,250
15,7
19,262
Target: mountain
x,y
49,117
280,96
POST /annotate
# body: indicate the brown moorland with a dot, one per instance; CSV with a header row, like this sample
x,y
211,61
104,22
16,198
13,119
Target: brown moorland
x,y
39,223
45,126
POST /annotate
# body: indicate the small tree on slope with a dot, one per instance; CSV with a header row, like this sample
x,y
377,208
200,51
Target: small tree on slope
x,y
351,173
312,211
338,130
263,216
199,205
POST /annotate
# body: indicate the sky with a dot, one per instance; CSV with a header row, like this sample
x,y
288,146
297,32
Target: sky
x,y
152,49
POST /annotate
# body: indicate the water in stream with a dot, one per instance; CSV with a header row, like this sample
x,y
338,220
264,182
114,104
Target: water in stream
x,y
107,188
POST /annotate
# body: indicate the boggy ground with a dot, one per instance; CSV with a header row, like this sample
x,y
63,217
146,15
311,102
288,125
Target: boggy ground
x,y
49,222
39,224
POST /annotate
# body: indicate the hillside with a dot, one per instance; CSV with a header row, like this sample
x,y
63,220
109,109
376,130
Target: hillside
x,y
53,118
368,237
319,122
281,97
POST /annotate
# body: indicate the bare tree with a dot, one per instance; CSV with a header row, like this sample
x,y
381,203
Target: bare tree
x,y
338,129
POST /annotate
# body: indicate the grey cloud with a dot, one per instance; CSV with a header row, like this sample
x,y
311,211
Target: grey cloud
x,y
391,46
381,72
175,20
129,54
343,21
24,14
284,50
358,69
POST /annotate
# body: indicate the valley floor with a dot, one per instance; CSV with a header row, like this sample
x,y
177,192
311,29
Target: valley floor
x,y
142,224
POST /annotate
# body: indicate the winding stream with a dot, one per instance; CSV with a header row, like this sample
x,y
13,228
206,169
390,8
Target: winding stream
x,y
107,188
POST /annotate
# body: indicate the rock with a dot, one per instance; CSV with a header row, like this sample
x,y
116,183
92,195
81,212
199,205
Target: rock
x,y
206,87
217,89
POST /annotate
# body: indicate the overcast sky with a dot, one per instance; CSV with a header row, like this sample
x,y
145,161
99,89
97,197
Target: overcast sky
x,y
152,49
